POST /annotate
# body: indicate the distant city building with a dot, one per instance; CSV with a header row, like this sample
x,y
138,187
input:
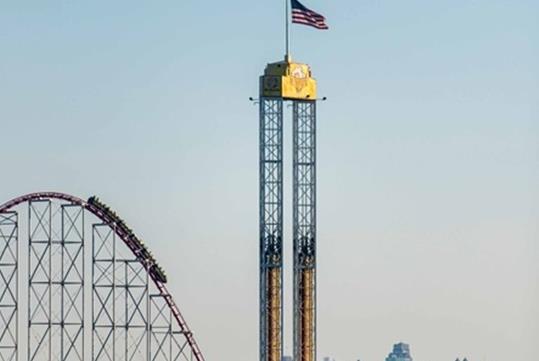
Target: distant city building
x,y
401,352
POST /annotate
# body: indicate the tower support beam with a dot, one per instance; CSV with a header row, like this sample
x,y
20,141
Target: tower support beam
x,y
271,228
304,229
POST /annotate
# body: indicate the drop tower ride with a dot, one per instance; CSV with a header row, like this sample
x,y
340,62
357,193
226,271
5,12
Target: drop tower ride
x,y
283,82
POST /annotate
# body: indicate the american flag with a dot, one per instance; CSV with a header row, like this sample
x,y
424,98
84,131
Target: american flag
x,y
305,16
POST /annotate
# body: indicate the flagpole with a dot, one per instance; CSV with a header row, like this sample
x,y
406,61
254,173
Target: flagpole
x,y
287,30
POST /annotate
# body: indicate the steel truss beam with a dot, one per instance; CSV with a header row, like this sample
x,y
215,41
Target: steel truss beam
x,y
167,342
271,228
120,304
9,289
304,229
161,330
40,306
71,283
56,282
134,315
104,293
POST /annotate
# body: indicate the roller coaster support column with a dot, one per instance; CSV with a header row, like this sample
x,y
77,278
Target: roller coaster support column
x,y
271,228
9,274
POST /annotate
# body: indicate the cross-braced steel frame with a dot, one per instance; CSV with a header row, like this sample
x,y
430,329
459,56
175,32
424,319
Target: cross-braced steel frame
x,y
9,305
56,282
133,317
71,283
40,280
121,304
271,228
304,229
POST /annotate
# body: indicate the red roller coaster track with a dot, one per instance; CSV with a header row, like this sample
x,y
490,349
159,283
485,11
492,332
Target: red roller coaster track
x,y
130,241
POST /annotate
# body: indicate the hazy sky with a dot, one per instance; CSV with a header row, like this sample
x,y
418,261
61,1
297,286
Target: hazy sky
x,y
428,158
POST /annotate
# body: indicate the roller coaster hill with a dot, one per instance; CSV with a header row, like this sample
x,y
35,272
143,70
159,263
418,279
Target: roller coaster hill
x,y
47,284
135,244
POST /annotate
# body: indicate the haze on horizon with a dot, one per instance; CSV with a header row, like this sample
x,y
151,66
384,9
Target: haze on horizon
x,y
428,159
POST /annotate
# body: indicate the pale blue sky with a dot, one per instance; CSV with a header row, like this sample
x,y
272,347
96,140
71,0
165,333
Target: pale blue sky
x,y
428,158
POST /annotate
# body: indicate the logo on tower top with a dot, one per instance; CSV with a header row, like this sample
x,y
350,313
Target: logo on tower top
x,y
299,77
298,72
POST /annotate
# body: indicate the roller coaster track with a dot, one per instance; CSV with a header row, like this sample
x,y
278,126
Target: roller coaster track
x,y
139,250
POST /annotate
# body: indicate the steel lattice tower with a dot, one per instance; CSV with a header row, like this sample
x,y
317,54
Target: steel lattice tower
x,y
304,229
271,228
287,81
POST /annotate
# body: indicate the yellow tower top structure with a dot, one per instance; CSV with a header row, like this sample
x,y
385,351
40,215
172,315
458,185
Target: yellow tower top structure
x,y
288,80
